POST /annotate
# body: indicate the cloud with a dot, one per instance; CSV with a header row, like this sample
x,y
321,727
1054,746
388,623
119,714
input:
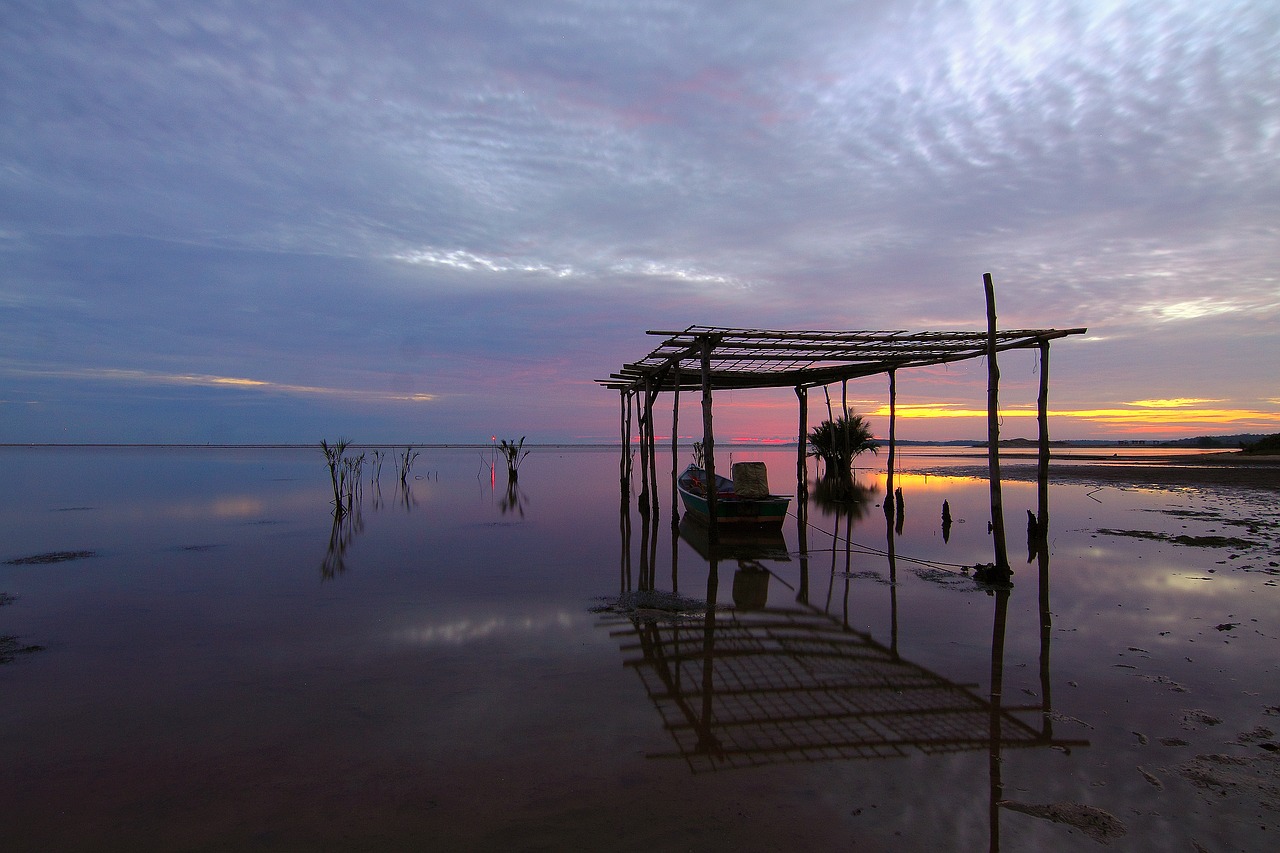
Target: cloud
x,y
143,377
292,192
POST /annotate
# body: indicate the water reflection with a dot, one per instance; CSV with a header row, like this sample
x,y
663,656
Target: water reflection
x,y
346,526
512,500
758,681
348,514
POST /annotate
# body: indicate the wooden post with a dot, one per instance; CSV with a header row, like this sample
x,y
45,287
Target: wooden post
x,y
1042,547
802,445
644,418
675,449
651,397
1042,415
708,440
846,474
624,465
893,443
993,428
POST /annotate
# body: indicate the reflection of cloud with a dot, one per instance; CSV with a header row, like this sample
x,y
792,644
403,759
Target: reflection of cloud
x,y
237,507
467,630
148,377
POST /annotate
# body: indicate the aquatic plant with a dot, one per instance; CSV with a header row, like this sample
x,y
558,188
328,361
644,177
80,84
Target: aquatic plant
x,y
514,456
378,456
333,457
404,462
837,442
697,454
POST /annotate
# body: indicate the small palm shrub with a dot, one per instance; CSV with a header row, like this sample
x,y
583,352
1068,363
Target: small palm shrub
x,y
837,442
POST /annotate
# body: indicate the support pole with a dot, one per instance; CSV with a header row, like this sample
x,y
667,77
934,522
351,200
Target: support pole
x,y
645,425
846,475
650,399
1042,547
1042,416
708,440
802,445
993,429
675,448
624,464
893,442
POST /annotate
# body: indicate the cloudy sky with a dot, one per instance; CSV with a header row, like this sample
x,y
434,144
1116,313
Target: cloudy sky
x,y
441,221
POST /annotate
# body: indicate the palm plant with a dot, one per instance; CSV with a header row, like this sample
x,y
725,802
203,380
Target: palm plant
x,y
404,461
333,457
514,455
837,442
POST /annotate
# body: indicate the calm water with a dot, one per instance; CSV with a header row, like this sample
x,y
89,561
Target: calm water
x,y
460,667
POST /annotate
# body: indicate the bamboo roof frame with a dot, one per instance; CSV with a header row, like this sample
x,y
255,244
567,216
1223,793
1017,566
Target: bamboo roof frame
x,y
763,358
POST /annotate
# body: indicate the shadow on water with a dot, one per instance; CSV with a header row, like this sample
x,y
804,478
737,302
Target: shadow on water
x,y
767,678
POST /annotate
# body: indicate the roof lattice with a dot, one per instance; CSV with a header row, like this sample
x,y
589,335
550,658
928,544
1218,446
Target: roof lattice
x,y
760,358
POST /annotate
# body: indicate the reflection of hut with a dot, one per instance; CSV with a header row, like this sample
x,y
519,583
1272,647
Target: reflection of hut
x,y
745,688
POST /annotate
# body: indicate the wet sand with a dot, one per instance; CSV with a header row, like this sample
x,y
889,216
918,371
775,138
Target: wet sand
x,y
1208,469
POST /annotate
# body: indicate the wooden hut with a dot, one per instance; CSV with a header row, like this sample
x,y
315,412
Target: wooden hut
x,y
706,359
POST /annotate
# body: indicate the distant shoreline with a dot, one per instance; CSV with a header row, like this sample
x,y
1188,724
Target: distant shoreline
x,y
1232,468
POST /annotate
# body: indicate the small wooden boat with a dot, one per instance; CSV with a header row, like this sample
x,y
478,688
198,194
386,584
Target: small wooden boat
x,y
764,510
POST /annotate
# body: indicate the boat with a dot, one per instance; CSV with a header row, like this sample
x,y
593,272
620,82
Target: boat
x,y
738,506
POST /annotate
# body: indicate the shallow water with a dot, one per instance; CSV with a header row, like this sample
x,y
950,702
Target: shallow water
x,y
461,667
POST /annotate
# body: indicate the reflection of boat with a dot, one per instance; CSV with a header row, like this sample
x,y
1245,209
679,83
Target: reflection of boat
x,y
750,586
733,505
743,542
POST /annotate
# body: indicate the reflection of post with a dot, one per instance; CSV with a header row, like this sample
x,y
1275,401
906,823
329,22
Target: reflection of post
x,y
835,541
624,528
997,689
802,536
848,559
675,562
706,737
653,548
646,568
893,585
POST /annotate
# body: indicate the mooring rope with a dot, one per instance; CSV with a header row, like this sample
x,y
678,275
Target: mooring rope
x,y
858,547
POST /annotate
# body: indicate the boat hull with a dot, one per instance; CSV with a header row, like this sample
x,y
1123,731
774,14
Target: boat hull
x,y
768,511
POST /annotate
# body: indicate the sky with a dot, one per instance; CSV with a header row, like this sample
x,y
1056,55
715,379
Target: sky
x,y
440,222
